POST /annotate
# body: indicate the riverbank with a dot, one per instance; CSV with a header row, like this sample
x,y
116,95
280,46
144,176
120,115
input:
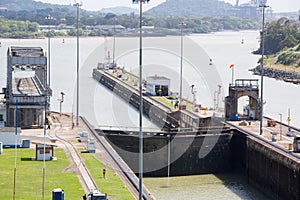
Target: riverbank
x,y
287,76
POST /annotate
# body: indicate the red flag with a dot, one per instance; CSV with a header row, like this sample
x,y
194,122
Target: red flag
x,y
231,66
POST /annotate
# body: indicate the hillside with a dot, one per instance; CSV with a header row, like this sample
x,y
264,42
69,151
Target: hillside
x,y
119,10
28,5
191,8
290,56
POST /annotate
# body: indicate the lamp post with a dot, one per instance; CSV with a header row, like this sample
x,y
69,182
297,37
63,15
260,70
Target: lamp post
x,y
77,5
49,17
60,103
194,91
263,6
141,103
280,114
181,61
114,47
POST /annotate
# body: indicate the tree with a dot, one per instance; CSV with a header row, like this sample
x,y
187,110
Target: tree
x,y
280,34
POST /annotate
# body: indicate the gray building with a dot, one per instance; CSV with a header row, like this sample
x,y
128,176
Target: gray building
x,y
158,85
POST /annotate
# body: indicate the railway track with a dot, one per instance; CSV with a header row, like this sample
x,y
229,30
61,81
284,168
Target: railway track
x,y
80,169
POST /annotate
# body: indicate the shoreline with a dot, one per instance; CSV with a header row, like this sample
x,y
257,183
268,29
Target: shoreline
x,y
131,34
282,75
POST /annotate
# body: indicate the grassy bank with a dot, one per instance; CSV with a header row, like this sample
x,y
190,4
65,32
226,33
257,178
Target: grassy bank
x,y
29,176
111,184
271,62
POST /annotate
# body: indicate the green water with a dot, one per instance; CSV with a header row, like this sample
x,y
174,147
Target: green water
x,y
226,186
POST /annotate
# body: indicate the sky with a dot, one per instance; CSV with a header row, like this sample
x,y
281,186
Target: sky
x,y
94,5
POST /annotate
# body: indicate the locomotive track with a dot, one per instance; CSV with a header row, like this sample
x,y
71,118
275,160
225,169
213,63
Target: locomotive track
x,y
78,166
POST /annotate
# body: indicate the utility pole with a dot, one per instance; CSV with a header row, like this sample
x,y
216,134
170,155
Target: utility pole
x,y
263,6
141,101
49,18
181,61
77,5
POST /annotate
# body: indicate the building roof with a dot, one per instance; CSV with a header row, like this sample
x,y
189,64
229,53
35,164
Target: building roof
x,y
9,130
46,143
109,27
26,51
155,77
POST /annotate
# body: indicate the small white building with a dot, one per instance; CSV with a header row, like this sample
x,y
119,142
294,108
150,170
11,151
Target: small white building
x,y
158,85
39,150
2,112
8,136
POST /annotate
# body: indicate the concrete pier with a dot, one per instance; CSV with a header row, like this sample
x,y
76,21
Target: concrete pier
x,y
159,113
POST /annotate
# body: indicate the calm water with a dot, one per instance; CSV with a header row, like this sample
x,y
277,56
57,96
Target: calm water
x,y
224,187
161,56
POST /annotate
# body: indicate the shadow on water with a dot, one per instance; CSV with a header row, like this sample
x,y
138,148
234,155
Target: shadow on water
x,y
237,183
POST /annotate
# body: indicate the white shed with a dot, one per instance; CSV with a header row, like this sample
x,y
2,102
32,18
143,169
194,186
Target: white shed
x,y
39,150
158,85
2,113
8,136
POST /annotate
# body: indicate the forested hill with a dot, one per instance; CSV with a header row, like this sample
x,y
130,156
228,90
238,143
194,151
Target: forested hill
x,y
29,5
191,8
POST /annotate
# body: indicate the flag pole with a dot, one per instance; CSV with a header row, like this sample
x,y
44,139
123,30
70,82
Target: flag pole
x,y
232,75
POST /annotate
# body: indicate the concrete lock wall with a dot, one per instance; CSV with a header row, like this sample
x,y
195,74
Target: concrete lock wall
x,y
275,174
189,155
272,172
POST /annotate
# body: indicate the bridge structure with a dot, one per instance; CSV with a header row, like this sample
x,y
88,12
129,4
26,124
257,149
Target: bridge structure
x,y
27,89
243,87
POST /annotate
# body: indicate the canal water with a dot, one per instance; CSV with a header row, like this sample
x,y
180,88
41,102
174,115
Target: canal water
x,y
203,187
161,56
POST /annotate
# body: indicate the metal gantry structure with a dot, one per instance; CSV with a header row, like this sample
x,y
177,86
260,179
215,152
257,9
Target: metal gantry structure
x,y
30,91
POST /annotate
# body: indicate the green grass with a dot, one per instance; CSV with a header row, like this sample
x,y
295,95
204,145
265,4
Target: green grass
x,y
168,103
165,101
112,185
29,176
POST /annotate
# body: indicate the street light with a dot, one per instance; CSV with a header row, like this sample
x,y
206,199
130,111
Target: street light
x,y
263,6
141,103
60,103
77,5
49,18
181,61
114,47
280,114
194,91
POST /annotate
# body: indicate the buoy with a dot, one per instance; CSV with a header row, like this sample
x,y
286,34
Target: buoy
x,y
210,61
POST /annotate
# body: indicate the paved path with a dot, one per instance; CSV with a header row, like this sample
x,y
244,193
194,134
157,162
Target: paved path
x,y
281,138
